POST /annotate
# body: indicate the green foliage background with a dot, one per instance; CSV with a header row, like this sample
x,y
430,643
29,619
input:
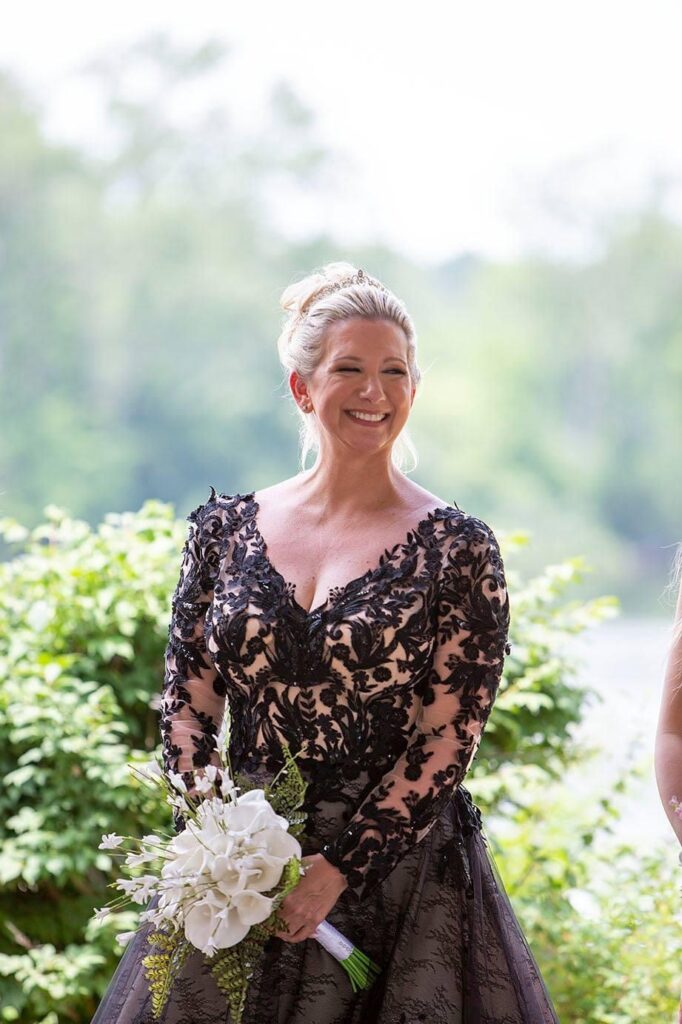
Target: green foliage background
x,y
139,302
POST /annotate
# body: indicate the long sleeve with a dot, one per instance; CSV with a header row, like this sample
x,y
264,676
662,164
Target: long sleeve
x,y
193,698
471,629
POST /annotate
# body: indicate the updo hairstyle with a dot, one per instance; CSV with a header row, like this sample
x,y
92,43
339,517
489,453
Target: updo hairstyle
x,y
338,291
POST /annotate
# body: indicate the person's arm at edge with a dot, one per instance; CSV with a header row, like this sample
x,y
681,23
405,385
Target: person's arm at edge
x,y
668,743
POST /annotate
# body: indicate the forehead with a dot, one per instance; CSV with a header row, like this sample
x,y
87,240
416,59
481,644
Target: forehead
x,y
358,336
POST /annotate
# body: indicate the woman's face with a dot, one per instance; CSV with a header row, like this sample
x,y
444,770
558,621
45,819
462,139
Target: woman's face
x,y
363,370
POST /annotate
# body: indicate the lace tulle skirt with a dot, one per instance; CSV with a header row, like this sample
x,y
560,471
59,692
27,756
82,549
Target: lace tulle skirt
x,y
441,927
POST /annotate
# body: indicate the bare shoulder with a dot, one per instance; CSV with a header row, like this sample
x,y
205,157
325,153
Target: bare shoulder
x,y
425,500
283,494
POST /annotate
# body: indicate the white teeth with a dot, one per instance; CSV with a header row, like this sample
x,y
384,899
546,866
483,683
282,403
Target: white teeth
x,y
373,417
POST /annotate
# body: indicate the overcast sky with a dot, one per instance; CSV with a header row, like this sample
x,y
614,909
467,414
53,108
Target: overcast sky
x,y
460,126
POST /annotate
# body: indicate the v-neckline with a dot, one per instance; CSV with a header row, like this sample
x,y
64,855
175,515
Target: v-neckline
x,y
385,558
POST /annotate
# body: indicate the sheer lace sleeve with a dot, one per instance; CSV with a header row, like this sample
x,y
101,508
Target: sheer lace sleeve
x,y
193,699
472,621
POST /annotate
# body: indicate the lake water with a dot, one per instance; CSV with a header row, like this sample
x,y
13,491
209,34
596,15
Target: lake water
x,y
624,660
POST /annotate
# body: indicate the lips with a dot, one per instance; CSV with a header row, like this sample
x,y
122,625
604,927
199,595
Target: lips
x,y
370,423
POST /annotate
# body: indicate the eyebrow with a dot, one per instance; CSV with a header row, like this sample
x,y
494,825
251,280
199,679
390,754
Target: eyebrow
x,y
357,359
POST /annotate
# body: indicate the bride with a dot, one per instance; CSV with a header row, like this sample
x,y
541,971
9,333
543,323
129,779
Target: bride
x,y
363,620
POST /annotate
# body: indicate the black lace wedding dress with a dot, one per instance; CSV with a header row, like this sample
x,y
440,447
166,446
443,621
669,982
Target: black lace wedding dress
x,y
385,688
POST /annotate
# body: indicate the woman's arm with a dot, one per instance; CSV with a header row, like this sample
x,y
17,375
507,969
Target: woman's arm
x,y
668,746
193,699
471,641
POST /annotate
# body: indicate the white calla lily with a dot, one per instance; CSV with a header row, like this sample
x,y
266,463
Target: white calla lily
x,y
252,907
276,842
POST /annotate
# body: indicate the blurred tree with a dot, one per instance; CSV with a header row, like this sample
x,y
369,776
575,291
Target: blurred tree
x,y
138,317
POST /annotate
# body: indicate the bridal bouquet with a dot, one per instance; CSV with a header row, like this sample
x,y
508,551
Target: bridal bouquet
x,y
218,884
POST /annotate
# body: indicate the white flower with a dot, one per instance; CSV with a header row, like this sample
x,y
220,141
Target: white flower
x,y
254,796
152,840
152,769
169,902
228,788
102,913
221,738
252,907
110,841
188,853
203,785
210,810
189,865
276,843
129,885
230,875
211,772
209,925
251,813
177,781
147,887
265,869
155,916
125,937
134,859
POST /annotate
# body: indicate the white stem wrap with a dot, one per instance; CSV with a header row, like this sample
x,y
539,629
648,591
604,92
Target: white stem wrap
x,y
333,941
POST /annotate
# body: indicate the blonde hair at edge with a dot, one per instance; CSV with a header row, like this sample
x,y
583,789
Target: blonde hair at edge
x,y
301,342
673,587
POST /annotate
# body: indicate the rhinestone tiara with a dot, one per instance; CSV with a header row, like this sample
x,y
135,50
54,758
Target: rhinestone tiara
x,y
360,277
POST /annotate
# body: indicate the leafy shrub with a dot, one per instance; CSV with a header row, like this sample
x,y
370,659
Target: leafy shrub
x,y
83,623
602,915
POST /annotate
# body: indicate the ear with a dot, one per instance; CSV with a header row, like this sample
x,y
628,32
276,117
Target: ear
x,y
299,388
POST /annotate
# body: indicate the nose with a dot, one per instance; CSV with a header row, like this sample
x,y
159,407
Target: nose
x,y
372,388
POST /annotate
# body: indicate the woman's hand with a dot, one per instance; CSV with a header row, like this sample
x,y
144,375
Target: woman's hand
x,y
310,901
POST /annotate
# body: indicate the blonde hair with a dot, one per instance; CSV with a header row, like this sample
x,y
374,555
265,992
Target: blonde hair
x,y
308,316
673,588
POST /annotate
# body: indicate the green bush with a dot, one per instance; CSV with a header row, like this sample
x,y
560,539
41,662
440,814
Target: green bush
x,y
601,915
539,701
83,620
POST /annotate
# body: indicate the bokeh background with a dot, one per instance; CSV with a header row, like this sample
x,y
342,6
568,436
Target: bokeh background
x,y
512,171
513,174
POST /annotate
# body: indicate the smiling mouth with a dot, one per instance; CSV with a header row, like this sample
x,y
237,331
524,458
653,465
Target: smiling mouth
x,y
369,418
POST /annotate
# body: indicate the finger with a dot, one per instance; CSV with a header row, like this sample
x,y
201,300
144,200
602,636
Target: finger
x,y
297,930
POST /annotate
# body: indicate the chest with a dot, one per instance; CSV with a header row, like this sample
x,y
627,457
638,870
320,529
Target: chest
x,y
318,562
376,629
290,592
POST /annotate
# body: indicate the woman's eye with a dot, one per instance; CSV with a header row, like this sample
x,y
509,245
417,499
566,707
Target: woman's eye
x,y
356,369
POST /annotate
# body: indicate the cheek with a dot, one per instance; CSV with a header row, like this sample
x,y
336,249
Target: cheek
x,y
335,392
402,391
